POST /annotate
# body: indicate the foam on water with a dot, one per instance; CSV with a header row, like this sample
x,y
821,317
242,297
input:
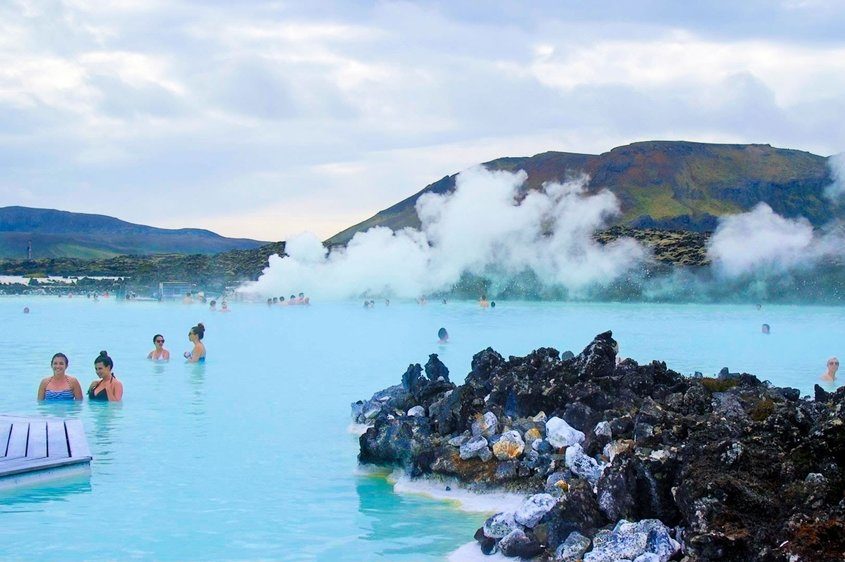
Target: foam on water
x,y
471,552
357,429
465,500
373,471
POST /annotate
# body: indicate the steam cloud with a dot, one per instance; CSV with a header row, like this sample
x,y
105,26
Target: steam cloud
x,y
836,190
480,228
763,241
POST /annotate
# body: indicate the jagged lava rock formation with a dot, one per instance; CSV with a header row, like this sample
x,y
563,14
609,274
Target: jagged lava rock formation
x,y
624,462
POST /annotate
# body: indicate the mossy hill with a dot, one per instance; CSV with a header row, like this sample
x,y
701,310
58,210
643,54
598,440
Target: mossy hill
x,y
62,234
665,185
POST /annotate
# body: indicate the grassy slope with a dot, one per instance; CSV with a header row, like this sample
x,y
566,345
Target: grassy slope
x,y
79,235
665,180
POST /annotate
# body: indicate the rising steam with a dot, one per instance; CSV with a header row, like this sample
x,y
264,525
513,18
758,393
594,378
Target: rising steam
x,y
481,228
836,191
761,241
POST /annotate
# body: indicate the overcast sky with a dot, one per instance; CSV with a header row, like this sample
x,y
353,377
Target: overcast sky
x,y
265,119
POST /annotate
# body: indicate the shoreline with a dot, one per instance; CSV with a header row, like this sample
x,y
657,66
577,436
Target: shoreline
x,y
625,461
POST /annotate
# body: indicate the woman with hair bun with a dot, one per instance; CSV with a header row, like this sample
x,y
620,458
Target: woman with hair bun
x,y
197,354
106,388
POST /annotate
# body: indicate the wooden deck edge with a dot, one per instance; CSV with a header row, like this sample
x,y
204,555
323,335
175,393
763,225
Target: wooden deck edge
x,y
26,466
37,477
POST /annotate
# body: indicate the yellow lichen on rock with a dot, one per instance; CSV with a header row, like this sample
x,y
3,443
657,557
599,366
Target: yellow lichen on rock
x,y
506,450
532,435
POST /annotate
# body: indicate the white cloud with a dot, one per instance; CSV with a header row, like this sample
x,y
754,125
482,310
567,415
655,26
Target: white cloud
x,y
356,108
794,72
135,69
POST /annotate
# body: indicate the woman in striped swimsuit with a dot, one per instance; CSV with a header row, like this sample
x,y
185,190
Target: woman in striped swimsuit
x,y
60,386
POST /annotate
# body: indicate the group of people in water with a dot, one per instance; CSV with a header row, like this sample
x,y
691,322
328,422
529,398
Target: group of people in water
x,y
106,388
196,355
293,300
61,386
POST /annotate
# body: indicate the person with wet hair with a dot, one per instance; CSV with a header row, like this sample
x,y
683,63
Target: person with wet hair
x,y
159,353
197,354
60,386
832,366
106,388
442,335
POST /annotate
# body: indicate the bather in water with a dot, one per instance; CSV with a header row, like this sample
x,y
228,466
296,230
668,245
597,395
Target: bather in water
x,y
197,354
159,353
59,386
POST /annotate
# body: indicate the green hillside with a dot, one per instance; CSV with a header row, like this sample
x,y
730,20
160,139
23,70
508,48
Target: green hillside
x,y
58,234
670,185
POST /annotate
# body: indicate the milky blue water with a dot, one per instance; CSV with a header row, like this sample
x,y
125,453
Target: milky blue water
x,y
248,456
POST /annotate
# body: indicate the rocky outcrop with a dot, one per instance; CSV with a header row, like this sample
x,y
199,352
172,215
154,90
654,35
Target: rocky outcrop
x,y
627,461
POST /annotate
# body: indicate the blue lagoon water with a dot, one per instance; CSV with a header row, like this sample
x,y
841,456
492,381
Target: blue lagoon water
x,y
249,456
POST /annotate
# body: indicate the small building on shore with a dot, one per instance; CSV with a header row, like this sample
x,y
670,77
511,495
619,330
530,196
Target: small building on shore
x,y
174,290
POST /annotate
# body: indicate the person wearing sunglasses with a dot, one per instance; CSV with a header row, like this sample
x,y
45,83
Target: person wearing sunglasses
x,y
832,367
159,353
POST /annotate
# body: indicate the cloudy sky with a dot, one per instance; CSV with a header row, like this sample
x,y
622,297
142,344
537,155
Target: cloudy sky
x,y
265,119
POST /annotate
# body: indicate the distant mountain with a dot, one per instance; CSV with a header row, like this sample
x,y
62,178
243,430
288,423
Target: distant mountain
x,y
667,185
79,235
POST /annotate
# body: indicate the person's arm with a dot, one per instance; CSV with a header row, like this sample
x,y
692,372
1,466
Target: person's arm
x,y
76,388
195,355
150,354
116,391
42,389
165,355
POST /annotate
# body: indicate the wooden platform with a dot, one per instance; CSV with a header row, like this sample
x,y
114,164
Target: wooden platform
x,y
36,450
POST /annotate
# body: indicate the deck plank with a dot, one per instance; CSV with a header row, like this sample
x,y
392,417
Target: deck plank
x,y
56,440
5,429
17,441
36,447
20,466
76,439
